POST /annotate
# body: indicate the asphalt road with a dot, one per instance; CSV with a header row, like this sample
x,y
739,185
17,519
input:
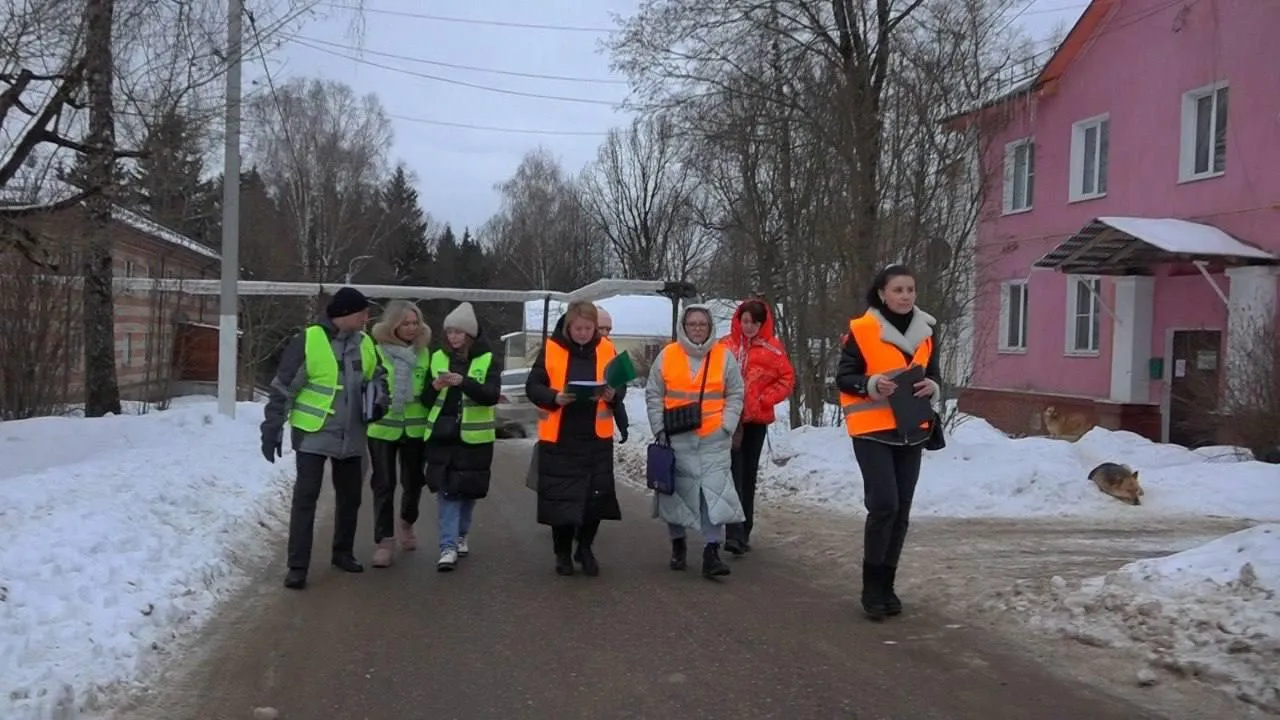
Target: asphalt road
x,y
504,637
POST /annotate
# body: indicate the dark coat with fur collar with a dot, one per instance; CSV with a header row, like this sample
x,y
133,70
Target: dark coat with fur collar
x,y
852,378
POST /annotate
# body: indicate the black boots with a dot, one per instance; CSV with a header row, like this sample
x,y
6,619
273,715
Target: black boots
x,y
712,565
679,554
347,563
892,603
296,579
878,597
564,564
587,559
734,546
874,603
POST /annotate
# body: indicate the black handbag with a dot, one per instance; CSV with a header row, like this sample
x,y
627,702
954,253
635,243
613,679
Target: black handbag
x,y
937,440
688,417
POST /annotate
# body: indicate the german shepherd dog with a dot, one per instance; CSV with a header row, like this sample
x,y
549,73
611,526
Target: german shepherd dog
x,y
1118,481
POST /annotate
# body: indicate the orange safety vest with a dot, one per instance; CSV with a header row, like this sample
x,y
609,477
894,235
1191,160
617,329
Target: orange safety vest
x,y
862,415
683,387
557,364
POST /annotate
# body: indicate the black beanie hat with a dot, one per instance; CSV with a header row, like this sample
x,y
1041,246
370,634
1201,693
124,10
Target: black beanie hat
x,y
347,301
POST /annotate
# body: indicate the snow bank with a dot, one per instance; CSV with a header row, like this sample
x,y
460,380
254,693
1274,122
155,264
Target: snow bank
x,y
1212,612
983,473
119,535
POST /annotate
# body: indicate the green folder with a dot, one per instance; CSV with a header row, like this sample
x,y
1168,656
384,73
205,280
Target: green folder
x,y
620,370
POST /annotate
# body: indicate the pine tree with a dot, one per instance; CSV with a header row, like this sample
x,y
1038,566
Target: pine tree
x,y
406,243
166,183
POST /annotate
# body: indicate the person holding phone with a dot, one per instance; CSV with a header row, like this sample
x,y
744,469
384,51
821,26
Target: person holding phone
x,y
461,428
890,339
575,480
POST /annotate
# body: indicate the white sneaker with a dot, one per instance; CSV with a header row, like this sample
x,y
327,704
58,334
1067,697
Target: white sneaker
x,y
448,559
463,547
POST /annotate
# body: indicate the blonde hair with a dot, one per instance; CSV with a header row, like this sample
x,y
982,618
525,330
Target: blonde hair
x,y
384,331
580,309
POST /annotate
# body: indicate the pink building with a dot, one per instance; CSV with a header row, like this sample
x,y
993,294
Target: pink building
x,y
1127,250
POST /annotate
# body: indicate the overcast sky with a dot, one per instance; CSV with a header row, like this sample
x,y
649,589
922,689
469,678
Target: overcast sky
x,y
457,167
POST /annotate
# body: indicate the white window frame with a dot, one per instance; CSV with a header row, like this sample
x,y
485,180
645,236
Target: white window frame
x,y
1007,289
1029,186
1187,150
1099,162
1073,284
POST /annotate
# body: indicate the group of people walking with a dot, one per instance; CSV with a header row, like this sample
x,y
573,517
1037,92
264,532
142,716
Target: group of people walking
x,y
427,419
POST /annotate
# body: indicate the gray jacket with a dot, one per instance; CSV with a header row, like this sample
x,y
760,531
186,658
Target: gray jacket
x,y
344,434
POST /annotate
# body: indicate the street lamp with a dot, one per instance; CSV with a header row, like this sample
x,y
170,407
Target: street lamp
x,y
350,266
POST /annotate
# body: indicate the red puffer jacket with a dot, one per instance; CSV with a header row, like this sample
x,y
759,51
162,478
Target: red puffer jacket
x,y
766,370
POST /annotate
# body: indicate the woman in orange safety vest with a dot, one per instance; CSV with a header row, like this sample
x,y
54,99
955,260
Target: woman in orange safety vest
x,y
885,341
575,437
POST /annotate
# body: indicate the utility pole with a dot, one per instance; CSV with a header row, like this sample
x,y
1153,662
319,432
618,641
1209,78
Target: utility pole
x,y
229,307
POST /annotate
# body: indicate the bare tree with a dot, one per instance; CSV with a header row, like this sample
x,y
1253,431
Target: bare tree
x,y
322,152
642,198
542,233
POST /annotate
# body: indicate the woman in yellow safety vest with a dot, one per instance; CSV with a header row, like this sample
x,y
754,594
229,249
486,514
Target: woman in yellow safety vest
x,y
395,441
891,336
461,428
575,437
696,371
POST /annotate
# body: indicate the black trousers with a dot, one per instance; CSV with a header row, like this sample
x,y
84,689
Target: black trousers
x,y
562,536
347,489
402,458
746,468
889,475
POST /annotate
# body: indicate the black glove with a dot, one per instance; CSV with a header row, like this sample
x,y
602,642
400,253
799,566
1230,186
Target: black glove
x,y
622,435
271,449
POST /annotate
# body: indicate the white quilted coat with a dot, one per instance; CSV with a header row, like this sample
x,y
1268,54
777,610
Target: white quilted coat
x,y
702,463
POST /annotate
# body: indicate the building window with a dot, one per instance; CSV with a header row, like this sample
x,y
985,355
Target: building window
x,y
1019,175
1013,316
127,360
1204,133
1090,143
1084,305
128,268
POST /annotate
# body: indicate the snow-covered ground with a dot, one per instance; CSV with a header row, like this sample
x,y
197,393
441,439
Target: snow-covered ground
x,y
1212,612
119,535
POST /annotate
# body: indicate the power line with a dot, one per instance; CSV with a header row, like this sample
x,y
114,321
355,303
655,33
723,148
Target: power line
x,y
472,21
494,128
453,66
462,83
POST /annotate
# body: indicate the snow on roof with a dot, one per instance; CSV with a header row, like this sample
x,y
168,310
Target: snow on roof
x,y
150,227
1185,237
633,315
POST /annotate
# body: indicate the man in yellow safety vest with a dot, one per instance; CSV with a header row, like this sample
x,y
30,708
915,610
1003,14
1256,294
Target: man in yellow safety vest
x,y
329,386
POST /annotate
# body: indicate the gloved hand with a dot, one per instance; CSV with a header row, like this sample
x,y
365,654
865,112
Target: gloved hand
x,y
271,449
622,435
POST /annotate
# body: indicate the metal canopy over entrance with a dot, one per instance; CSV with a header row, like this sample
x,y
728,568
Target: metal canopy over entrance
x,y
1134,246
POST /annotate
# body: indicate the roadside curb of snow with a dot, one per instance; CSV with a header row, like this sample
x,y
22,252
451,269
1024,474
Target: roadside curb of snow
x,y
245,543
1225,638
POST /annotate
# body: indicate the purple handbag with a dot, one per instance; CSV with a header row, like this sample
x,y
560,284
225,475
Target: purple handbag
x,y
660,470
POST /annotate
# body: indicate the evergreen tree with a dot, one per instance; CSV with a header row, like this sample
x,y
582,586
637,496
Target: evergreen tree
x,y
166,183
407,245
444,271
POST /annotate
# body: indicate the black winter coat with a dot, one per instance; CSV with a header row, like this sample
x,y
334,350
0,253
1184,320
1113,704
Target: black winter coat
x,y
453,467
575,474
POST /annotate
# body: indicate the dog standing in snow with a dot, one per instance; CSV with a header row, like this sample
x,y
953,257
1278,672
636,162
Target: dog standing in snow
x,y
1062,426
1118,481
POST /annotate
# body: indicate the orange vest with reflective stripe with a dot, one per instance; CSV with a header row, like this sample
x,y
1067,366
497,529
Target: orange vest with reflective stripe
x,y
556,358
862,415
683,386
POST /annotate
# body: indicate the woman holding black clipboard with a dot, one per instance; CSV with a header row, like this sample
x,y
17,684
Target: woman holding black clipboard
x,y
574,454
887,377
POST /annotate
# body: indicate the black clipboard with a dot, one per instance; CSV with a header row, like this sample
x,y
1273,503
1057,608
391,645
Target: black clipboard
x,y
909,411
